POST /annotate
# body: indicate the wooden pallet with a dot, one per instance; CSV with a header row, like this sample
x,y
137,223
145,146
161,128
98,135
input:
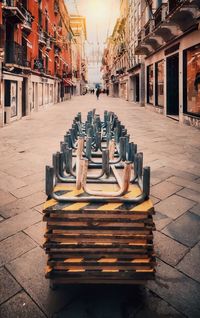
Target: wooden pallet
x,y
99,243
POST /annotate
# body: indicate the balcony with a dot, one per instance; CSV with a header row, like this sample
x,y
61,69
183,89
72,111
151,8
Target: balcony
x,y
41,38
56,7
183,13
56,51
121,48
160,14
27,24
48,44
169,21
15,56
173,4
14,11
39,64
121,70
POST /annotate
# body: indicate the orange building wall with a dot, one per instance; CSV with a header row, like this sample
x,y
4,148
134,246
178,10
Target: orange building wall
x,y
60,39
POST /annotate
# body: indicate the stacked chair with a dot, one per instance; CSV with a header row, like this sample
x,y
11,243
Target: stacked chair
x,y
98,212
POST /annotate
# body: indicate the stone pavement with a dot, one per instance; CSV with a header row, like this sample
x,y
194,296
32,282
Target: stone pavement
x,y
172,151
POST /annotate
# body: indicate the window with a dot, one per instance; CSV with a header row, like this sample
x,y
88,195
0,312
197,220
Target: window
x,y
192,80
159,84
150,79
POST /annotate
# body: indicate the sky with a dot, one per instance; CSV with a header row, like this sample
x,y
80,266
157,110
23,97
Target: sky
x,y
100,16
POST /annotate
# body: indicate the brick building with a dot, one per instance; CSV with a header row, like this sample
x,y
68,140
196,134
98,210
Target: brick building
x,y
35,47
78,26
115,57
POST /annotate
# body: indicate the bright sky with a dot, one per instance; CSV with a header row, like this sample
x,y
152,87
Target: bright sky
x,y
100,16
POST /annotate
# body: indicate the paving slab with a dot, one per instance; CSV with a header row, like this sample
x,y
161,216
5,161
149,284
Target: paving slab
x,y
164,190
190,194
178,290
15,246
196,209
186,229
20,306
9,286
168,249
10,183
155,307
36,232
174,206
190,264
22,205
162,173
183,174
29,270
185,183
161,220
28,190
6,197
18,222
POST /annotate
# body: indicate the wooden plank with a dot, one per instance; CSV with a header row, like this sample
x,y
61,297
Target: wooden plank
x,y
102,217
100,267
127,256
100,230
100,224
90,274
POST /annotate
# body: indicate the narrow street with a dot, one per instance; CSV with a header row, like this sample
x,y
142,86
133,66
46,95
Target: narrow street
x,y
171,150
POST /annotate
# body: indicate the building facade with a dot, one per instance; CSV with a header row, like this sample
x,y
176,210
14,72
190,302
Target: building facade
x,y
169,39
78,26
35,54
115,58
160,57
136,87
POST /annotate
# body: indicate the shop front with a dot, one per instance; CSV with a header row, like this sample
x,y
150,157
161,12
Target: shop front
x,y
42,92
12,97
191,85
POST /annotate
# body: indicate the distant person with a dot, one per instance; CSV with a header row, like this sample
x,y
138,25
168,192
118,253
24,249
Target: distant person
x,y
98,93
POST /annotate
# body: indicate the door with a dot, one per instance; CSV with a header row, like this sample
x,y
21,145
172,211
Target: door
x,y
173,85
24,97
137,88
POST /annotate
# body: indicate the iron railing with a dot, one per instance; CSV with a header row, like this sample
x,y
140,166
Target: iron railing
x,y
15,54
173,4
23,10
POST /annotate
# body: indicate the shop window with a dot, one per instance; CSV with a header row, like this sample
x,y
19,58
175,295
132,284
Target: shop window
x,y
159,83
11,97
150,79
191,78
40,94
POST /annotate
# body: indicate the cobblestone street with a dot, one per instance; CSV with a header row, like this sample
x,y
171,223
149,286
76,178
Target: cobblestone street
x,y
170,149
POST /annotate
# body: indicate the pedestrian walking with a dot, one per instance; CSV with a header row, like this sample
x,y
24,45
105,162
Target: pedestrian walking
x,y
97,93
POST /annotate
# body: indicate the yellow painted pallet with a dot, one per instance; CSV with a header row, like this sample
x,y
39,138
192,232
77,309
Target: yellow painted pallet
x,y
99,243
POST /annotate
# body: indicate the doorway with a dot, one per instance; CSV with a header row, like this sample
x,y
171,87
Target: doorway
x,y
137,88
173,85
24,97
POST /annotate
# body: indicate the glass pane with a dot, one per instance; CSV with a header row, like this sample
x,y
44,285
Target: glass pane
x,y
193,80
160,83
150,84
